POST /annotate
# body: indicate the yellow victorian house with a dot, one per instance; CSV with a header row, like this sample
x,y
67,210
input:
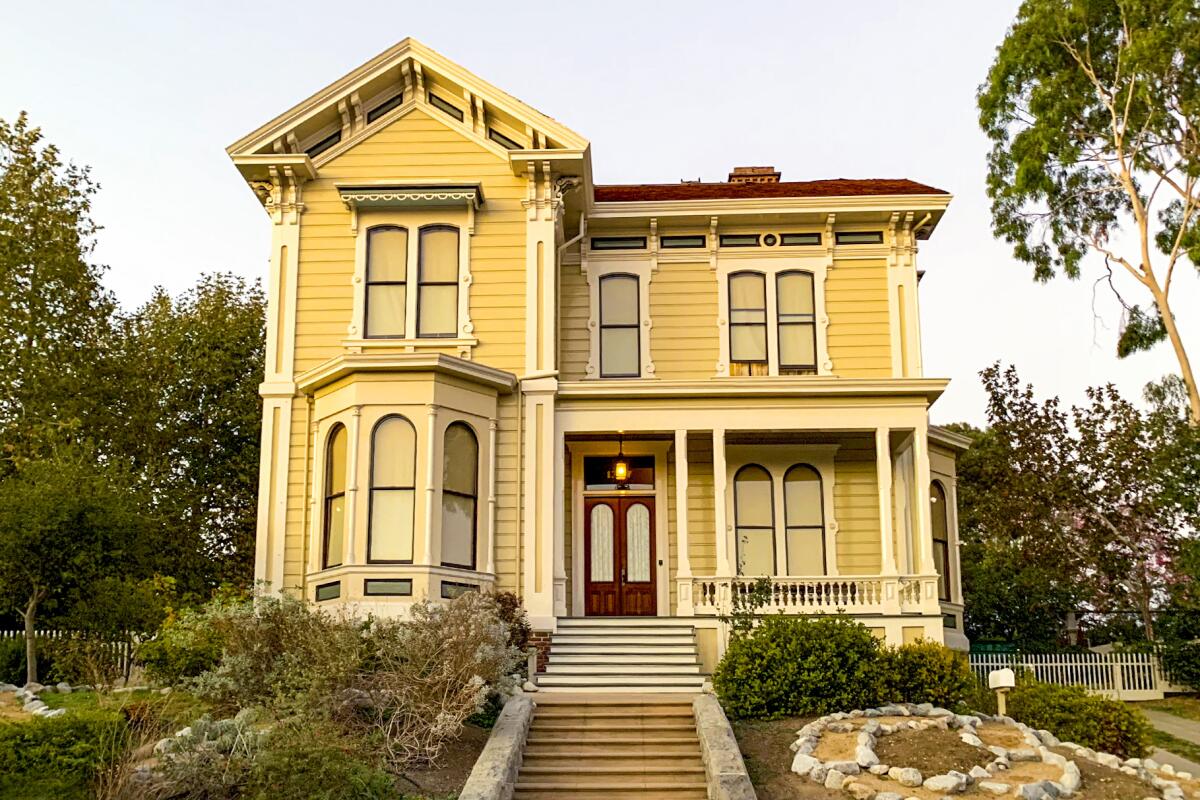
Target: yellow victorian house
x,y
622,403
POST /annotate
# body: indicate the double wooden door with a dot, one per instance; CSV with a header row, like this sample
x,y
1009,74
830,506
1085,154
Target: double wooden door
x,y
619,558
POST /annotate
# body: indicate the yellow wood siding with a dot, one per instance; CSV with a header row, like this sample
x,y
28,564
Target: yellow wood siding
x,y
702,527
573,341
683,308
856,507
856,302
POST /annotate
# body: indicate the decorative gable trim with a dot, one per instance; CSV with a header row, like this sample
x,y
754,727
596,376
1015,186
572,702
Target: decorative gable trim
x,y
422,195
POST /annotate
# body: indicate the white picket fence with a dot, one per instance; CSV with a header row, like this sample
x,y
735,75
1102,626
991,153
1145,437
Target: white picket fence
x,y
122,651
1121,676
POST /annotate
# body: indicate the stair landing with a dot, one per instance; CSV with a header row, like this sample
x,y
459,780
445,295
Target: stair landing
x,y
623,654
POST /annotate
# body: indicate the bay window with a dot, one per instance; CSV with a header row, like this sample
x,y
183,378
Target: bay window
x,y
334,526
460,495
393,491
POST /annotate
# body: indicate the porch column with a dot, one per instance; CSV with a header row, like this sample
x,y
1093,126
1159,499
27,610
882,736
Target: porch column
x,y
922,519
541,543
349,556
431,437
721,524
559,521
683,574
883,470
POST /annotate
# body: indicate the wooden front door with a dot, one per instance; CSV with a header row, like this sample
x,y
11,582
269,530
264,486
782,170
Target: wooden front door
x,y
619,560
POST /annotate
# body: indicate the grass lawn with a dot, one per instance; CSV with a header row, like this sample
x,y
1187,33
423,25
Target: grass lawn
x,y
1179,747
1183,705
177,708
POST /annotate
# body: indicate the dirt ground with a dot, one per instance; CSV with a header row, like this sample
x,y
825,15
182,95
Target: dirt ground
x,y
10,710
447,780
766,749
933,751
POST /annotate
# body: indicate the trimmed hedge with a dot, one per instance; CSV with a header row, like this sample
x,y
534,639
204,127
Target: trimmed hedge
x,y
926,672
12,660
1071,714
58,758
799,666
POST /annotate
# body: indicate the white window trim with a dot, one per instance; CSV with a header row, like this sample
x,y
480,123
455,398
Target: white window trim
x,y
412,221
770,267
642,269
777,459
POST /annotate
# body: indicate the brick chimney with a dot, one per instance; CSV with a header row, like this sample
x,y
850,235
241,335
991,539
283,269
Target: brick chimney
x,y
754,175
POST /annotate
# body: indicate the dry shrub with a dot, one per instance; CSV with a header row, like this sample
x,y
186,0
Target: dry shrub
x,y
426,675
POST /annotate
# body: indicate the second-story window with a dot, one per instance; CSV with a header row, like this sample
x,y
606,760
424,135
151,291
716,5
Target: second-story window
x,y
387,276
620,345
747,323
437,282
797,321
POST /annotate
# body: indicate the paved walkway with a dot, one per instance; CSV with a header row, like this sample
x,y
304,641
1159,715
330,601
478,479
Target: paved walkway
x,y
1180,728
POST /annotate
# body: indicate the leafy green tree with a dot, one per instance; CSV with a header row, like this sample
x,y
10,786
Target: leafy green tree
x,y
190,420
54,312
65,521
1093,111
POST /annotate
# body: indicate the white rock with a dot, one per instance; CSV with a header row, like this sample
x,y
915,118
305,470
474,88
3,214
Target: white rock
x,y
991,787
803,763
1071,779
950,782
878,769
1108,760
63,687
971,739
529,686
834,779
33,706
51,713
978,772
906,776
865,756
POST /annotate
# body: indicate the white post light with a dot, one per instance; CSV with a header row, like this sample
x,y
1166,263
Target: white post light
x,y
1001,680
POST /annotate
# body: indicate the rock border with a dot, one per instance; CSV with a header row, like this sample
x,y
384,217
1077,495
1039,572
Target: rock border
x,y
841,774
495,772
32,703
724,767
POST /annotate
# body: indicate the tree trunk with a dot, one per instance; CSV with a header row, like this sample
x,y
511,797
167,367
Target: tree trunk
x,y
1185,365
29,615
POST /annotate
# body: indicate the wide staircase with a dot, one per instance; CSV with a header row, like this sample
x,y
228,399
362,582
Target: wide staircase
x,y
623,654
612,747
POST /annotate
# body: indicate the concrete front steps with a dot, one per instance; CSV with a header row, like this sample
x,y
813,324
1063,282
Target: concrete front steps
x,y
612,746
623,654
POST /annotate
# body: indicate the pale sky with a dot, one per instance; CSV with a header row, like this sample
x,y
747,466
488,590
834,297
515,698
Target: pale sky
x,y
150,93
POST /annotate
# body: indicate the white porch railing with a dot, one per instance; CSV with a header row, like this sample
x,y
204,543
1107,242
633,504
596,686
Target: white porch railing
x,y
850,594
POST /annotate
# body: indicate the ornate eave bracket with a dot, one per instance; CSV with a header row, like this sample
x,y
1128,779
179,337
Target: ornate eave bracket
x,y
422,196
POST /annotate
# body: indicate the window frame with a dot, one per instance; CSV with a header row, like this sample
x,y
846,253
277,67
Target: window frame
x,y
636,325
765,324
474,499
328,496
422,283
822,527
946,577
368,283
372,488
737,526
779,325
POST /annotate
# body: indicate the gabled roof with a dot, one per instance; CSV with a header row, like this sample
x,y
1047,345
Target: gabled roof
x,y
411,67
838,187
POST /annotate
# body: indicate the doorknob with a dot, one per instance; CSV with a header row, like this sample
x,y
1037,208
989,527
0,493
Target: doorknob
x,y
622,575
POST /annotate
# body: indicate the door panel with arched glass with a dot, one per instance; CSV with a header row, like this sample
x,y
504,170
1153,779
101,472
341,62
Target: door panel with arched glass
x,y
619,558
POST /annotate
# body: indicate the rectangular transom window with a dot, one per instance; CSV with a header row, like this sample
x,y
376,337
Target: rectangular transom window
x,y
618,242
599,473
323,145
387,105
739,240
859,237
502,140
620,342
445,106
387,587
799,239
682,242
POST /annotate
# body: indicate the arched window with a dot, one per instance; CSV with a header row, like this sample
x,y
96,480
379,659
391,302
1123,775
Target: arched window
x,y
754,521
747,323
437,282
393,491
387,276
939,509
620,335
796,317
334,531
804,520
460,494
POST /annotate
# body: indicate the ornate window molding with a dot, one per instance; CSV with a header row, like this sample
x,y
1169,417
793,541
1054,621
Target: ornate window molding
x,y
642,270
771,267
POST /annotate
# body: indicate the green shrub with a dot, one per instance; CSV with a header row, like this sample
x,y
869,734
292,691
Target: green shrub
x,y
926,672
59,757
1181,662
12,660
1071,714
300,761
795,666
184,647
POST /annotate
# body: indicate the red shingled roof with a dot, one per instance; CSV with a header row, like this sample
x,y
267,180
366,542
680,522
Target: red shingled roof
x,y
838,187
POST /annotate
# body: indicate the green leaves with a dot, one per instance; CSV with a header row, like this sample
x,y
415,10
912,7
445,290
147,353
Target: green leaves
x,y
1142,330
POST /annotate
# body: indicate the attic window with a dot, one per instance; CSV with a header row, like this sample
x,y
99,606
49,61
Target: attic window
x,y
618,242
799,239
502,140
859,237
326,143
681,242
386,106
445,106
739,240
